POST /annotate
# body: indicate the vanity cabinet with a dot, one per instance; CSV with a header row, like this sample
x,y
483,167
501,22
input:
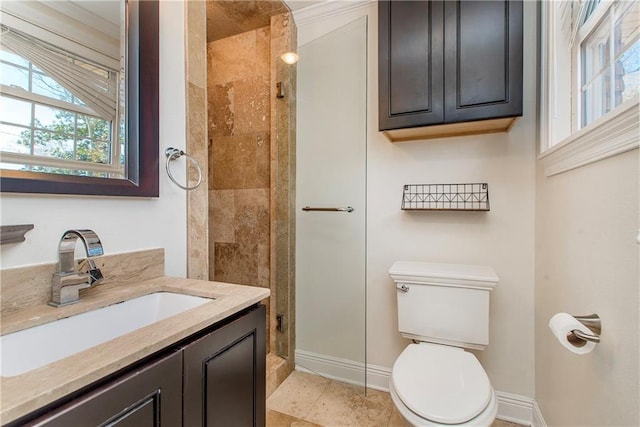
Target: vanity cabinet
x,y
224,375
214,378
148,396
449,67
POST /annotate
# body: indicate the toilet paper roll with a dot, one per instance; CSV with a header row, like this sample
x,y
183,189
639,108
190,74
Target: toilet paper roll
x,y
561,324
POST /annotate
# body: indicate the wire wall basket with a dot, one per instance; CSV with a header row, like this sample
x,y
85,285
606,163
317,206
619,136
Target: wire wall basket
x,y
446,197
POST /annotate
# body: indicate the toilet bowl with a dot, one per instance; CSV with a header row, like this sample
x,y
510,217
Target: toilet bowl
x,y
433,384
445,309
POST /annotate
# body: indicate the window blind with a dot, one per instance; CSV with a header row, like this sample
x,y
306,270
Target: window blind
x,y
97,89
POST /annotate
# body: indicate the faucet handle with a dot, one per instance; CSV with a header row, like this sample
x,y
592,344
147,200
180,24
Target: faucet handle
x,y
95,276
89,266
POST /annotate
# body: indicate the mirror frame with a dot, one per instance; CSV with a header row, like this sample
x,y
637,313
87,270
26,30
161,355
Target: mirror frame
x,y
142,116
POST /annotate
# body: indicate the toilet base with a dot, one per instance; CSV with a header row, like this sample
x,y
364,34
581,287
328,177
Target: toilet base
x,y
411,419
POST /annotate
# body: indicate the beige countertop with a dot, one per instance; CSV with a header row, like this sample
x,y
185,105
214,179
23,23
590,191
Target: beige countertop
x,y
27,392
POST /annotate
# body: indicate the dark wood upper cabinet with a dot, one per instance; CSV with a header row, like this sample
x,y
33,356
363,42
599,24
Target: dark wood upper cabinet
x,y
411,63
449,67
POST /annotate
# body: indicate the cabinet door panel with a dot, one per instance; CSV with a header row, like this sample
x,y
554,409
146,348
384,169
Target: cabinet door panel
x,y
483,60
481,53
149,396
224,375
144,414
229,377
410,63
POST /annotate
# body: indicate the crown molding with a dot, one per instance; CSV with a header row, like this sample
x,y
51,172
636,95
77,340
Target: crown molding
x,y
327,9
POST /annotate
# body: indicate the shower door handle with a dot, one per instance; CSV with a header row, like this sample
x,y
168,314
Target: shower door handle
x,y
347,209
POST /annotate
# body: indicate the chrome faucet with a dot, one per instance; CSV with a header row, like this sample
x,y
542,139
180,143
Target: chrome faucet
x,y
68,281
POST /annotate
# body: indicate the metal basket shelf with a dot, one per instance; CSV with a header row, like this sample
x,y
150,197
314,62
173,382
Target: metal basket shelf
x,y
446,197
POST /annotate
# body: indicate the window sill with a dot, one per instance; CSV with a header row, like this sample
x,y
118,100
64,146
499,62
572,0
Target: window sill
x,y
612,134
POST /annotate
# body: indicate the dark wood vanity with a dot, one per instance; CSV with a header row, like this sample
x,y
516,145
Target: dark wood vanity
x,y
215,377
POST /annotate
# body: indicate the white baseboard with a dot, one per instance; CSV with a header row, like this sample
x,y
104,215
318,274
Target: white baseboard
x,y
511,407
538,419
515,408
344,370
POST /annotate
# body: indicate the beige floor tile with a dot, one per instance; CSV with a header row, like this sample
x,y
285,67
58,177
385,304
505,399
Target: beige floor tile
x,y
278,419
396,419
346,405
297,394
305,400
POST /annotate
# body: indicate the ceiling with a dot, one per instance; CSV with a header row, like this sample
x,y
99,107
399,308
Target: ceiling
x,y
301,4
227,18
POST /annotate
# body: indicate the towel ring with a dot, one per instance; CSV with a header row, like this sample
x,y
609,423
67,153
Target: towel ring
x,y
173,154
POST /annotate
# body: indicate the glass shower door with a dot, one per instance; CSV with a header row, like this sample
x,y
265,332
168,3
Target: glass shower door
x,y
330,210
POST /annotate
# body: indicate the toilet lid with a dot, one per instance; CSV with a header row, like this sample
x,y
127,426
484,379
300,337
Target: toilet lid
x,y
440,383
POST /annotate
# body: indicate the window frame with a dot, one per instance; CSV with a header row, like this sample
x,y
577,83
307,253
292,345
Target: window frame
x,y
112,168
613,133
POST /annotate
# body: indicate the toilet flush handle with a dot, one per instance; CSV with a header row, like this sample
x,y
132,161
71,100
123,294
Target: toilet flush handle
x,y
402,287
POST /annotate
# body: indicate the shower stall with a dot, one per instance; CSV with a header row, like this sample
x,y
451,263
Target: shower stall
x,y
246,217
251,161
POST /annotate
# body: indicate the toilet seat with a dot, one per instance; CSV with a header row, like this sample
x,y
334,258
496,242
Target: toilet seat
x,y
442,384
484,419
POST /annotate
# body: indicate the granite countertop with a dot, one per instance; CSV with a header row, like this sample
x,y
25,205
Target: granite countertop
x,y
27,392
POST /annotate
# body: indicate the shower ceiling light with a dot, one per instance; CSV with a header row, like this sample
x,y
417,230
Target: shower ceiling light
x,y
289,57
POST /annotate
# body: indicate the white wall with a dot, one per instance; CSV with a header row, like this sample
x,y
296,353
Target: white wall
x,y
123,224
502,238
587,262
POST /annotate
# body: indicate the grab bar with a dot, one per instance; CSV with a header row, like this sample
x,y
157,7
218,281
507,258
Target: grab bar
x,y
348,209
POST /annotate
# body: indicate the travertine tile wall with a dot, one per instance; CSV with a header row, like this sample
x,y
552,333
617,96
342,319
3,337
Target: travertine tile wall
x,y
251,135
196,117
239,69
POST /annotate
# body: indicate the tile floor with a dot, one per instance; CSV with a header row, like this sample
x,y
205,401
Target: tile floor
x,y
306,400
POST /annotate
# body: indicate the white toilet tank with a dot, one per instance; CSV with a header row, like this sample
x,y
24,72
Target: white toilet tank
x,y
444,303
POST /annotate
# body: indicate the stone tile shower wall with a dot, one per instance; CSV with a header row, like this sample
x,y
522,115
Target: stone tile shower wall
x,y
239,74
251,188
239,155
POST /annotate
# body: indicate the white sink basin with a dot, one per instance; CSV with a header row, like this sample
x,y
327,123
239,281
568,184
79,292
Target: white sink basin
x,y
32,348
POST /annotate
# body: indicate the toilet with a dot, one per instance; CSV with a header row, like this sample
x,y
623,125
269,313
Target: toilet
x,y
444,309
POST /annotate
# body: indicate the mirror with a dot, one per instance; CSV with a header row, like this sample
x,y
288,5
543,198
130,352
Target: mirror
x,y
139,169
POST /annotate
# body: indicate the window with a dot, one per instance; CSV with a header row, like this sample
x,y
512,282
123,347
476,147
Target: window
x,y
58,112
590,81
609,52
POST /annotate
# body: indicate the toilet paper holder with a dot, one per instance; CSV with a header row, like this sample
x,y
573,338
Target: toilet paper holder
x,y
591,321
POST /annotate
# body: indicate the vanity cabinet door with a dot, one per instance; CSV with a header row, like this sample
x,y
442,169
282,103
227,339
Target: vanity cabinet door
x,y
224,375
150,396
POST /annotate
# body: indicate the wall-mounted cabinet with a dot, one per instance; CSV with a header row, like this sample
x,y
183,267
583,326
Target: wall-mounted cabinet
x,y
449,67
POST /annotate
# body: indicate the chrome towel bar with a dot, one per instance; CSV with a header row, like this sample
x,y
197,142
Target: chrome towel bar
x,y
348,209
